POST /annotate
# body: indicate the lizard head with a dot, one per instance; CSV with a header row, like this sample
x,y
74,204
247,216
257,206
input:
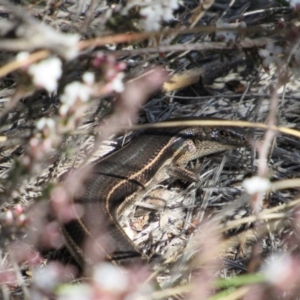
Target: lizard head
x,y
227,135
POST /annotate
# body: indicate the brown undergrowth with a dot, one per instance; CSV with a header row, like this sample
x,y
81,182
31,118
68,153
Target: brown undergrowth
x,y
76,79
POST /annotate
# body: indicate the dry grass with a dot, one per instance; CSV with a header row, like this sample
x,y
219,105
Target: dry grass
x,y
76,76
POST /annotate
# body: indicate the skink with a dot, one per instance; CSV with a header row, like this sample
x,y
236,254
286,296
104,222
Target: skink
x,y
150,158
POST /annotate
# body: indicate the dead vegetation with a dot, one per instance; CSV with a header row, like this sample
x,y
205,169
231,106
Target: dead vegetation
x,y
76,75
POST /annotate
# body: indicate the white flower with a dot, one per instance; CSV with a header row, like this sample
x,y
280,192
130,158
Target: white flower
x,y
107,275
256,185
226,36
45,122
117,83
22,56
156,11
46,73
73,92
46,278
88,78
152,16
281,270
271,54
75,292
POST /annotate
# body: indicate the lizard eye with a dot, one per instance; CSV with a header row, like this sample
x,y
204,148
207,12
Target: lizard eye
x,y
221,133
227,134
224,133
